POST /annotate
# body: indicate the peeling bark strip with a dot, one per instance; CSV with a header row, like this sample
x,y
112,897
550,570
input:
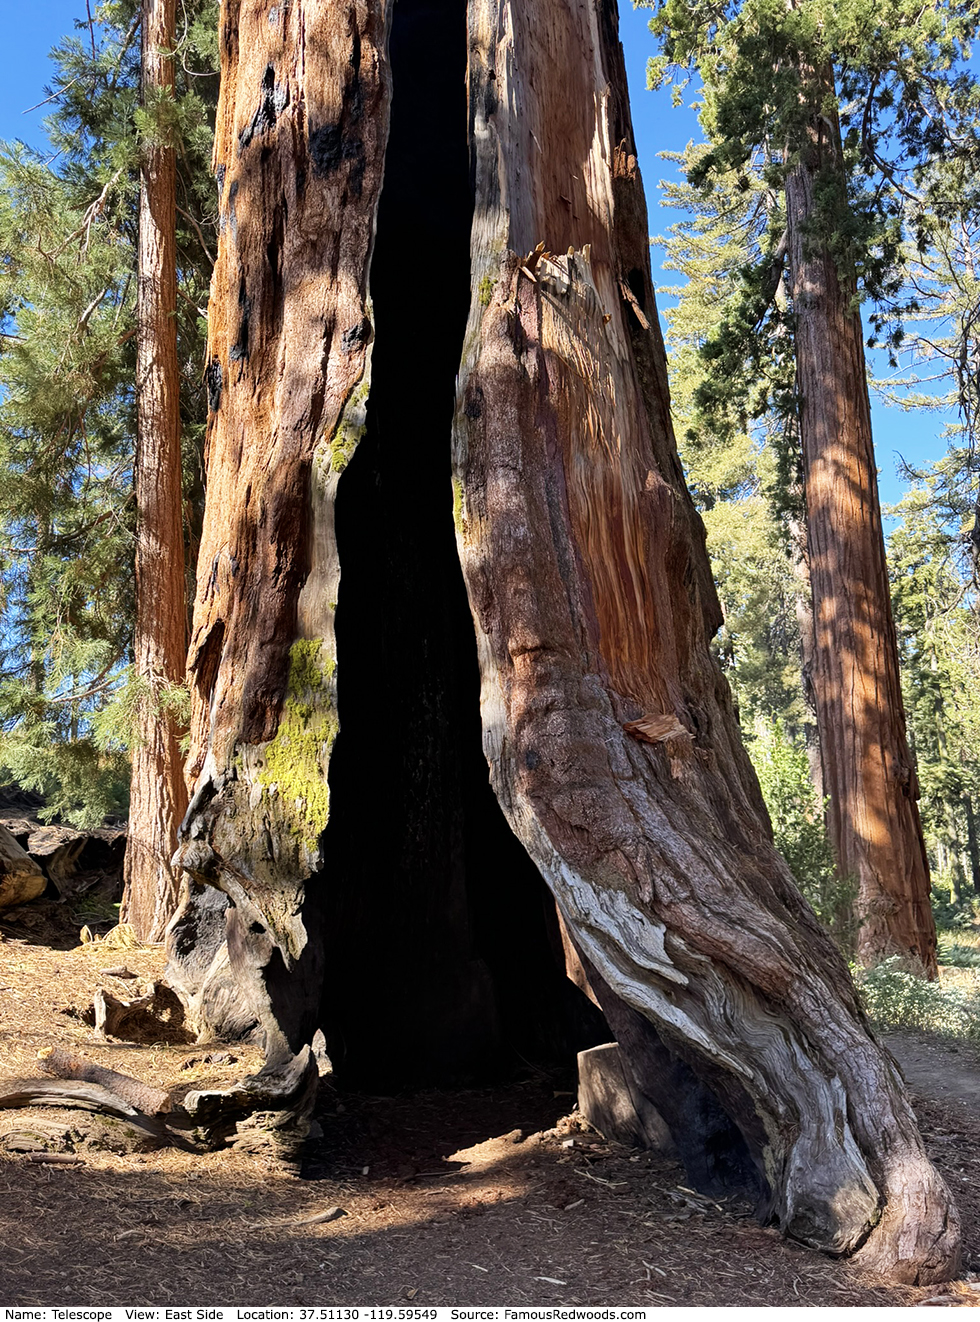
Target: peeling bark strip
x,y
302,123
589,585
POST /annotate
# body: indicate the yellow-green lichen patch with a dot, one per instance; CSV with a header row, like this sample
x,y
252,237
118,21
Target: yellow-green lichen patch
x,y
342,447
350,429
486,291
458,504
296,759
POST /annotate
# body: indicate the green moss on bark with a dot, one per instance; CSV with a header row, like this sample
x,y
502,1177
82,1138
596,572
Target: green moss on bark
x,y
350,429
296,760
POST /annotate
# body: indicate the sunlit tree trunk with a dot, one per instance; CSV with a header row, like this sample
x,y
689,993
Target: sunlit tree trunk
x,y
158,796
325,604
868,770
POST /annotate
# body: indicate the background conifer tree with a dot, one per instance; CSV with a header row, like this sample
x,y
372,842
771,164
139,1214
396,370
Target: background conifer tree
x,y
68,232
775,77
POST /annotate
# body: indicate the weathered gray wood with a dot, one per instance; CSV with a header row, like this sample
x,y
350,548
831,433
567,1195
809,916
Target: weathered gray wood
x,y
57,849
69,857
95,1131
33,1135
20,877
612,1103
16,1093
273,1107
158,1013
67,1065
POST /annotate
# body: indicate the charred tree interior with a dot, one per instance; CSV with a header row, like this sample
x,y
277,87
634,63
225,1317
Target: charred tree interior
x,y
341,803
442,951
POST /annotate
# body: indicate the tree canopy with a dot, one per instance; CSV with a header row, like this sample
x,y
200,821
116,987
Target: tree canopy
x,y
67,407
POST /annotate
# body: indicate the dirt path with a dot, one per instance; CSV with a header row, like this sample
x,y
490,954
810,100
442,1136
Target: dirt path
x,y
491,1196
939,1070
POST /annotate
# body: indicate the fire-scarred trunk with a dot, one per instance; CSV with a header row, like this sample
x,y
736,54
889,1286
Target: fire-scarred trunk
x,y
613,748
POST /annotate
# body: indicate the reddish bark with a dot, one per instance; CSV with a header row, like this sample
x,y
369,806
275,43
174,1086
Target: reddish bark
x,y
612,743
301,129
868,770
587,578
158,797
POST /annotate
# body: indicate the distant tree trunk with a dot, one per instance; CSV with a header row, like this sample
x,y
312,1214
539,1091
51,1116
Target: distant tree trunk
x,y
609,731
158,795
868,771
972,844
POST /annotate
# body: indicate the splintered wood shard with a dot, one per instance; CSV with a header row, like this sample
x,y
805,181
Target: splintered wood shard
x,y
656,728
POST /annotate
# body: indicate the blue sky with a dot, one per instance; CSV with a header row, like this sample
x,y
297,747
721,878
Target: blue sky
x,y
32,29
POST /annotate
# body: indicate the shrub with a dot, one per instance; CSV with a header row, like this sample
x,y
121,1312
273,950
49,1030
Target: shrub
x,y
959,949
894,997
783,768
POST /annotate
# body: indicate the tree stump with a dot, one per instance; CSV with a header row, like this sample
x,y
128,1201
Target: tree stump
x,y
20,877
610,1100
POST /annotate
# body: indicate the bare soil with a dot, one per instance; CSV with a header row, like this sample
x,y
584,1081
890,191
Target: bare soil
x,y
488,1196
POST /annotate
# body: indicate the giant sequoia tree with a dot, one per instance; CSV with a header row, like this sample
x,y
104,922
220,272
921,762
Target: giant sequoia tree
x,y
157,793
345,862
781,81
868,770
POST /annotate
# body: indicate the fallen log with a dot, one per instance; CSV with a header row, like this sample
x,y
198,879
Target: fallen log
x,y
141,1096
16,1093
76,1131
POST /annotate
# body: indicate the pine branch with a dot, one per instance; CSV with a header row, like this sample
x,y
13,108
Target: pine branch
x,y
197,230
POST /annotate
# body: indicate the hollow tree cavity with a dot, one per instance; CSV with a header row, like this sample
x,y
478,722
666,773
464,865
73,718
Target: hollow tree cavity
x,y
344,863
438,962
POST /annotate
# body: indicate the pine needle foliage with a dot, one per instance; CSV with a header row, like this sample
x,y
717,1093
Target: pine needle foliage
x,y
908,106
68,224
733,409
798,825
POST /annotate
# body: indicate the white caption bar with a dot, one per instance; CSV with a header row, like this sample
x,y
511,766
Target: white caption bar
x,y
410,1313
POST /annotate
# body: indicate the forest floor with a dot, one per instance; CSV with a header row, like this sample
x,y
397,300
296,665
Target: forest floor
x,y
489,1196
